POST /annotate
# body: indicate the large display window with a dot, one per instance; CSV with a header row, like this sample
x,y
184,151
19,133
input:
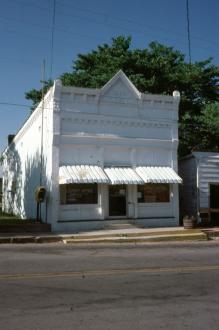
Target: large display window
x,y
154,193
86,193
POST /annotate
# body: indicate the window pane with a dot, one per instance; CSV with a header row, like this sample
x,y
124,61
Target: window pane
x,y
154,193
79,194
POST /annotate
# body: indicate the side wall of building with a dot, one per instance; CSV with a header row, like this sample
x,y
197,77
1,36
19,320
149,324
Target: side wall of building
x,y
208,172
188,189
23,167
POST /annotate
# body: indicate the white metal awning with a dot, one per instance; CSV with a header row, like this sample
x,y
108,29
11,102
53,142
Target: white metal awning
x,y
123,175
157,174
82,174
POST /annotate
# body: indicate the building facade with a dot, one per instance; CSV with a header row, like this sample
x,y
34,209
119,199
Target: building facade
x,y
199,193
104,155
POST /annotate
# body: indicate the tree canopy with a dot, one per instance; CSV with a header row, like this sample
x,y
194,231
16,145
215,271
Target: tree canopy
x,y
200,132
157,69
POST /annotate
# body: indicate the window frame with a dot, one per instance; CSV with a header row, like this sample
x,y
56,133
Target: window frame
x,y
63,194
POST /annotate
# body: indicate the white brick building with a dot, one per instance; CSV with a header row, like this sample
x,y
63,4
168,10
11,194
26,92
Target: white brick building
x,y
108,154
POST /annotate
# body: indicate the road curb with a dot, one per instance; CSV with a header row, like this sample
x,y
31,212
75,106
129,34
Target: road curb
x,y
158,238
30,239
112,238
22,240
48,239
5,240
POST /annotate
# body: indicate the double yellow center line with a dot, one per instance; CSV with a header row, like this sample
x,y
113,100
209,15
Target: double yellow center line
x,y
110,272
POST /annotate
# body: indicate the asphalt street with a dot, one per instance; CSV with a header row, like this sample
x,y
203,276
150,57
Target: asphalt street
x,y
150,286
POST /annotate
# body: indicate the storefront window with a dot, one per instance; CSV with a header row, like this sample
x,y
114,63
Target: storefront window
x,y
154,193
78,193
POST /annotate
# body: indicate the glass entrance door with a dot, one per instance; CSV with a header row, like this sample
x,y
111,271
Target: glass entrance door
x,y
117,201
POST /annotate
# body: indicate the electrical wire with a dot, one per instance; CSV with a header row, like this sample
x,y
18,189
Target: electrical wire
x,y
128,20
15,104
65,31
52,39
188,30
107,18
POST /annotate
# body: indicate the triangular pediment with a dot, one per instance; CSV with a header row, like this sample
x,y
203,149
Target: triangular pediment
x,y
120,87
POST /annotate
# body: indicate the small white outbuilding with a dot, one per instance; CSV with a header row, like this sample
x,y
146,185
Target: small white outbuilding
x,y
103,155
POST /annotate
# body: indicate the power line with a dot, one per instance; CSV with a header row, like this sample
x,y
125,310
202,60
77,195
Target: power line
x,y
90,36
47,27
15,104
32,5
128,20
11,59
107,17
52,38
188,29
50,108
29,107
42,125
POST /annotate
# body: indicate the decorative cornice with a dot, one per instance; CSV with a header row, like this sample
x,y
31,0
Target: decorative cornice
x,y
116,122
102,140
95,97
147,98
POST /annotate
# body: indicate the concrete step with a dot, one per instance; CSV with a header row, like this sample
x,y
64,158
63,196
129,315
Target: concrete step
x,y
120,226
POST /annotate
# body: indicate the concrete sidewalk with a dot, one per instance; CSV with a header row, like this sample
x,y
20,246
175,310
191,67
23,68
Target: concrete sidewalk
x,y
129,235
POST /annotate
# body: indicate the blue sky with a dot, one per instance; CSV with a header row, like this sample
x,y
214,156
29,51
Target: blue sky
x,y
25,34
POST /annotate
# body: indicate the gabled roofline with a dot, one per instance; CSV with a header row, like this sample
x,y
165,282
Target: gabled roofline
x,y
121,75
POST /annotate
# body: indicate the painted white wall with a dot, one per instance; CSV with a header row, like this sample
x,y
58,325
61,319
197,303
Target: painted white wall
x,y
118,126
22,162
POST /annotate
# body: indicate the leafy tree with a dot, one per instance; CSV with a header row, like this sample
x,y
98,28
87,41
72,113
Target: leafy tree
x,y
157,69
200,132
36,95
